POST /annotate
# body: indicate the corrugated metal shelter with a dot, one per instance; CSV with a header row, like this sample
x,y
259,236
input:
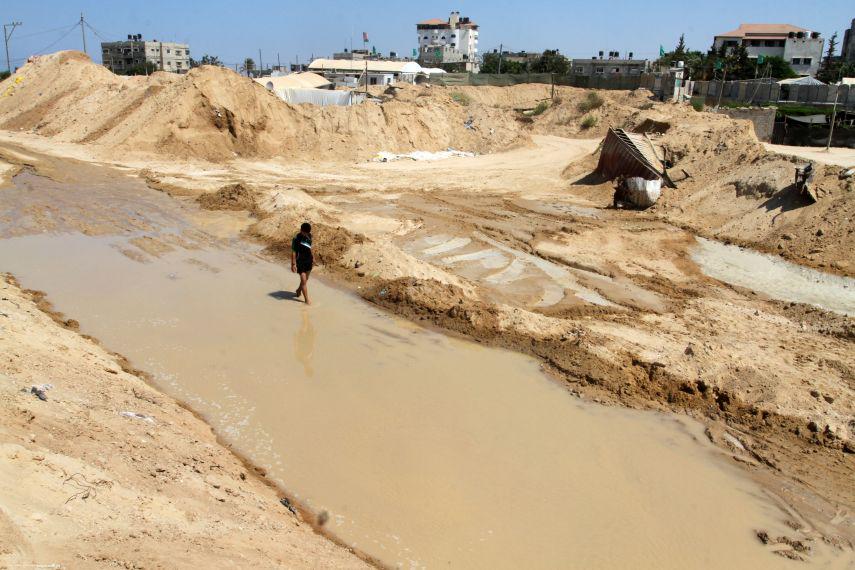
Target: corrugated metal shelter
x,y
632,155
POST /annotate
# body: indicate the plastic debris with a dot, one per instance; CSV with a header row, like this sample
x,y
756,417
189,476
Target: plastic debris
x,y
137,416
422,155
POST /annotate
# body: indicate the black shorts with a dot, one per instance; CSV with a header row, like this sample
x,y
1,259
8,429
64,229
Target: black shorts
x,y
304,267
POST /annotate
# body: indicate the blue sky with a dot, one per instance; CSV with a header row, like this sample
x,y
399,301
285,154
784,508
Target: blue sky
x,y
234,30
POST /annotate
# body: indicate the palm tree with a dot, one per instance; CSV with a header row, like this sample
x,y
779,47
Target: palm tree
x,y
248,66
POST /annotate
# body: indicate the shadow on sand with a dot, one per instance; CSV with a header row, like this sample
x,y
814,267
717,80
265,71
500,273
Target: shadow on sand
x,y
284,295
785,200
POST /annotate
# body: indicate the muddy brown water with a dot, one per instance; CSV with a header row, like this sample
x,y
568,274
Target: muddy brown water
x,y
426,451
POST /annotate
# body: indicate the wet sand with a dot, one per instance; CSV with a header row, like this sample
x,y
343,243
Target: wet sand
x,y
775,277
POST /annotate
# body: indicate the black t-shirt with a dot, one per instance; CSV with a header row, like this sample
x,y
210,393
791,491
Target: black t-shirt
x,y
302,246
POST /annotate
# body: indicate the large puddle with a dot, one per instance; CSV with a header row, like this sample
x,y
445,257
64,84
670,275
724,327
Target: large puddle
x,y
426,451
775,277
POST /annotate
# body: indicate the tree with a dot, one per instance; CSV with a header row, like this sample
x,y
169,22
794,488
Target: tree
x,y
248,66
831,66
739,65
4,74
146,68
779,68
551,61
206,60
490,64
680,50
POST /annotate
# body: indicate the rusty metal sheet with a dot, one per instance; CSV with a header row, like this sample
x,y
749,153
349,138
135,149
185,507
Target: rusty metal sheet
x,y
628,154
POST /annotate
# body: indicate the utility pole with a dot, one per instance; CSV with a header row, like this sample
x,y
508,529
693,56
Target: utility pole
x,y
500,57
278,63
833,117
260,65
83,32
721,87
6,37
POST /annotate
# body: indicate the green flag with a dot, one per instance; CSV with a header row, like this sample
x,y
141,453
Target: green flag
x,y
661,51
718,65
761,59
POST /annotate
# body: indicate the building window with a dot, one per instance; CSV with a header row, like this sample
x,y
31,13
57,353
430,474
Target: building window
x,y
599,70
580,69
616,70
797,61
781,43
807,61
771,43
168,51
755,43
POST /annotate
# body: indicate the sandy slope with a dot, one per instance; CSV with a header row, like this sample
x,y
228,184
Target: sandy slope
x,y
84,486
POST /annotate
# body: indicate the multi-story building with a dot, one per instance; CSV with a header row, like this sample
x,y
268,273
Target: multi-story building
x,y
613,66
799,47
121,57
449,44
847,51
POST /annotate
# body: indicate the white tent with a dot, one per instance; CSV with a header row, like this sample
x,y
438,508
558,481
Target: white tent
x,y
806,80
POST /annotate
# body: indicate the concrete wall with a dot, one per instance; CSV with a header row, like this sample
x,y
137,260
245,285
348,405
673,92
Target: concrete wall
x,y
848,47
607,67
800,48
766,93
763,120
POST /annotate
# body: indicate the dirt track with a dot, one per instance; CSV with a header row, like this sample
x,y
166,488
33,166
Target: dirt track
x,y
518,249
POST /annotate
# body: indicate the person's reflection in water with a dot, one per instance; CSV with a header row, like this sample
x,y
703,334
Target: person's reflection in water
x,y
304,344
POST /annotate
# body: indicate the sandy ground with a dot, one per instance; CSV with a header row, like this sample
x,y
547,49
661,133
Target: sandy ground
x,y
840,156
519,248
500,248
108,472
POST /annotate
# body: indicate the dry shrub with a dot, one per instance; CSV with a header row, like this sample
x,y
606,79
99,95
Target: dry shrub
x,y
592,101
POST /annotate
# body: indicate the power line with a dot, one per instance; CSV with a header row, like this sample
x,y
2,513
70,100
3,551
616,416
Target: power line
x,y
41,33
62,37
97,33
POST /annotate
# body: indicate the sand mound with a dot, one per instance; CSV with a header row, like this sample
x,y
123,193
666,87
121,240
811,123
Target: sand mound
x,y
730,188
215,114
231,197
565,112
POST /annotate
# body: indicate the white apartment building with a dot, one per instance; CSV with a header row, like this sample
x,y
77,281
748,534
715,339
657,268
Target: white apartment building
x,y
799,47
449,44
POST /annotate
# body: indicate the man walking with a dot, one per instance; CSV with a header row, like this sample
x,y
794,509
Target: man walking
x,y
302,260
